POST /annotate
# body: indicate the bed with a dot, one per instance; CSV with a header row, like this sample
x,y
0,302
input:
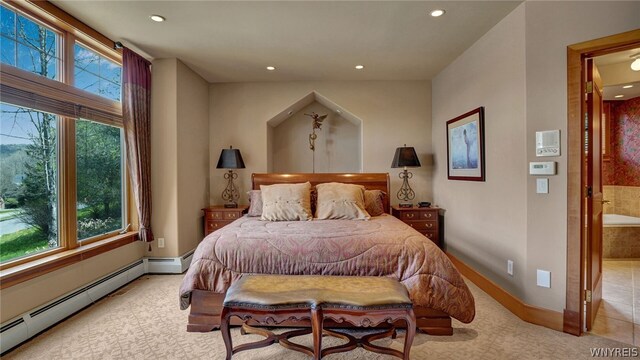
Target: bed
x,y
382,246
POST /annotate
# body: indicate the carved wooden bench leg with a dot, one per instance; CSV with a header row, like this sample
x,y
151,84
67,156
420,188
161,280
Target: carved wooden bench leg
x,y
411,333
316,329
226,332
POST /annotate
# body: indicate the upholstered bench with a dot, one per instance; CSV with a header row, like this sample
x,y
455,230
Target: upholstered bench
x,y
361,301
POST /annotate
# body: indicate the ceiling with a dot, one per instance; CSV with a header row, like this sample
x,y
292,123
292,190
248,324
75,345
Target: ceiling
x,y
233,41
615,69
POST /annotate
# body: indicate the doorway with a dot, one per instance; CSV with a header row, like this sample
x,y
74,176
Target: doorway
x,y
585,197
619,225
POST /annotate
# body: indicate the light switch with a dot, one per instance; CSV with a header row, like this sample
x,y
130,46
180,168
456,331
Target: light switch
x,y
544,278
542,185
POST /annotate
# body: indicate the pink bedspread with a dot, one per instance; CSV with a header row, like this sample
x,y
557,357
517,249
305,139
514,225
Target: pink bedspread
x,y
382,246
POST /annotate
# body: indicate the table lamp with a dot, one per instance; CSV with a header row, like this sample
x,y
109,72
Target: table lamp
x,y
230,159
405,157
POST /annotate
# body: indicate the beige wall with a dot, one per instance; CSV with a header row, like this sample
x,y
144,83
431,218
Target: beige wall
x,y
337,148
179,156
193,156
551,27
485,222
164,156
532,41
28,295
392,112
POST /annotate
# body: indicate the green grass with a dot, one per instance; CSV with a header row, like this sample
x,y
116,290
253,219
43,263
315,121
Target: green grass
x,y
21,243
8,214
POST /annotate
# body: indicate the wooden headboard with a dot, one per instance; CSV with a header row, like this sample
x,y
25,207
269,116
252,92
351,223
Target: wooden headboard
x,y
371,181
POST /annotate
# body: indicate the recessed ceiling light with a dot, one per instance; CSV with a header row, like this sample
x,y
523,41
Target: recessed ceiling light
x,y
619,96
359,67
437,13
271,68
627,86
157,18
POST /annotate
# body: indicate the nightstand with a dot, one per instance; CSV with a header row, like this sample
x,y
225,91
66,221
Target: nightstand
x,y
217,216
428,221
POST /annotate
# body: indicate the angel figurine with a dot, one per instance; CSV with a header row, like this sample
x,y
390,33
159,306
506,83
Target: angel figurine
x,y
317,124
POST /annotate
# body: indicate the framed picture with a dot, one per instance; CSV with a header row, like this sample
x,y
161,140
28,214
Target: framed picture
x,y
465,146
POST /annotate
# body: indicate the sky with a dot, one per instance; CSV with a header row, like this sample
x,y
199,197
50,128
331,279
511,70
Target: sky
x,y
19,38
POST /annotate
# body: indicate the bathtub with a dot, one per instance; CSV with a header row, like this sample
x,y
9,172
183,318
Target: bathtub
x,y
620,220
621,236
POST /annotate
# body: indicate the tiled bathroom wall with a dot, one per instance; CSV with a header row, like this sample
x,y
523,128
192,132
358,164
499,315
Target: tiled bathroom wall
x,y
623,200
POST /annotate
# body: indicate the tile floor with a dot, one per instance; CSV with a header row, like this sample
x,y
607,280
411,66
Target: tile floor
x,y
619,315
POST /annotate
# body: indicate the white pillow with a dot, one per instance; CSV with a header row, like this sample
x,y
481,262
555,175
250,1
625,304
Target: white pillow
x,y
341,201
286,202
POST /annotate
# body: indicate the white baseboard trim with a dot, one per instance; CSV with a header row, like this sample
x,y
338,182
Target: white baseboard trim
x,y
168,265
22,328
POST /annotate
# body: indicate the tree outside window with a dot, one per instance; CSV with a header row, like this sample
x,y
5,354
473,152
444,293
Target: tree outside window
x,y
29,147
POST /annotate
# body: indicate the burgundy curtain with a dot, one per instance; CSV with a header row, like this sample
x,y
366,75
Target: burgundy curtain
x,y
136,115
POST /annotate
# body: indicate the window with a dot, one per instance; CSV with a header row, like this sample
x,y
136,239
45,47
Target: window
x,y
29,45
28,182
96,74
51,200
99,174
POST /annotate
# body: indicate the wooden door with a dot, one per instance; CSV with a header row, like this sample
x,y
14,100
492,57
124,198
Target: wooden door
x,y
593,192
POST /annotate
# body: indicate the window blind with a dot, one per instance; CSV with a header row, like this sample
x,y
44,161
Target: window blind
x,y
69,102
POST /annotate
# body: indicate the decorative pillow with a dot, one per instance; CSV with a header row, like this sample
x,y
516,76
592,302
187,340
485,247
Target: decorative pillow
x,y
286,202
255,203
314,199
374,202
341,201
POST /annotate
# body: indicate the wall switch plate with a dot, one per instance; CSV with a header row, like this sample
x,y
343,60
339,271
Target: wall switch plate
x,y
544,278
160,243
542,185
510,267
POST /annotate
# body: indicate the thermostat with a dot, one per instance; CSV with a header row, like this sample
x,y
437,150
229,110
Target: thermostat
x,y
542,168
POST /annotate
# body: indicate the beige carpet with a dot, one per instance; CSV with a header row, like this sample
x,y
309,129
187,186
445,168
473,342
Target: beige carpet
x,y
142,321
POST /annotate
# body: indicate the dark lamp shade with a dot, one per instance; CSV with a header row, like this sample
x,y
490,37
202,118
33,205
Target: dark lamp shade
x,y
405,156
230,159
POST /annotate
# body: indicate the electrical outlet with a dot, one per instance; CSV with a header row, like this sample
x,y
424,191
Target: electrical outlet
x,y
160,243
510,267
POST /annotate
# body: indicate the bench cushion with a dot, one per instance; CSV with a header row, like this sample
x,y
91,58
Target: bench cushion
x,y
310,291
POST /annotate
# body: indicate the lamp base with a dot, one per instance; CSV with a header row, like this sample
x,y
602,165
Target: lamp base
x,y
231,205
405,205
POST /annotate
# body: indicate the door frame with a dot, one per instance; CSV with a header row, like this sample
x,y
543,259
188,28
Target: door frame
x,y
573,322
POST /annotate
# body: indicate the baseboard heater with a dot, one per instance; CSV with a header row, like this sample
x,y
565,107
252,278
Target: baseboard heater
x,y
30,324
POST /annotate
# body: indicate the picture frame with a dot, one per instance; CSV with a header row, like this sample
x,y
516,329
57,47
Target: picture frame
x,y
465,146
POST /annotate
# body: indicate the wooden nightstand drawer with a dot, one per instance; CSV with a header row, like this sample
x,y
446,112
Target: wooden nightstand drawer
x,y
424,225
427,221
215,215
232,215
432,235
409,215
215,225
429,215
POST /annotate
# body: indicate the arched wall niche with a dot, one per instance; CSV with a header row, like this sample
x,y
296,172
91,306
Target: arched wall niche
x,y
338,147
